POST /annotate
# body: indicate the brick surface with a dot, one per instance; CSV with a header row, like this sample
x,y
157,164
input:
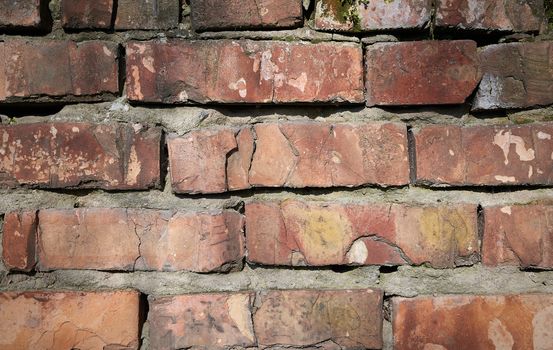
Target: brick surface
x,y
224,14
40,69
466,322
421,72
139,239
485,155
147,14
20,14
79,155
515,75
245,71
297,233
305,154
69,320
518,16
371,15
518,235
86,14
19,240
341,319
202,321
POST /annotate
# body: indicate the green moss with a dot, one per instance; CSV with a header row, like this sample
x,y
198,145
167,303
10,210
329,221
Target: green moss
x,y
345,11
549,12
522,121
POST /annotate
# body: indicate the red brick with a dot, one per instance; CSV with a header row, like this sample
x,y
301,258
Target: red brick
x,y
518,235
297,233
20,14
466,322
372,15
19,240
485,155
516,75
207,321
248,71
69,320
43,69
79,155
147,14
224,14
518,16
86,14
421,72
139,239
332,319
292,154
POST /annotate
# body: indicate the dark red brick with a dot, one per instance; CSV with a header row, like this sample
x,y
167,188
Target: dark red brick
x,y
147,14
467,322
19,240
341,15
20,14
86,14
48,69
79,155
421,72
296,233
485,155
516,75
244,71
69,320
225,14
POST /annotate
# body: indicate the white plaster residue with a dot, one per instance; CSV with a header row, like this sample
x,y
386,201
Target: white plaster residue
x,y
530,171
239,85
542,325
506,210
358,253
543,135
53,131
500,336
134,167
148,63
451,153
107,52
263,11
183,96
239,312
137,90
504,139
268,68
75,129
430,346
300,82
505,179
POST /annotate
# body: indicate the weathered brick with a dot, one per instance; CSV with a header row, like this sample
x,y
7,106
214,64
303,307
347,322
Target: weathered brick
x,y
331,319
518,16
518,235
248,71
147,14
421,72
139,239
485,155
20,14
69,320
86,14
466,322
83,155
19,240
304,154
297,233
515,75
48,69
224,14
207,321
371,15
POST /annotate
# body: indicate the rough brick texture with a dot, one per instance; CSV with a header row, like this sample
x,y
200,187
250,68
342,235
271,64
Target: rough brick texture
x,y
518,16
83,155
147,14
346,319
69,320
57,69
225,14
515,75
19,240
297,233
358,16
518,235
421,72
86,14
297,155
467,322
244,71
139,239
485,155
20,14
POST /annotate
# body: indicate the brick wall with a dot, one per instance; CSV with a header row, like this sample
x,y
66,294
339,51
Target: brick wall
x,y
276,174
